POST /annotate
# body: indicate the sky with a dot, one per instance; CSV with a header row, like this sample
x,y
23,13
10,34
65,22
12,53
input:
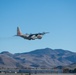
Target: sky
x,y
33,16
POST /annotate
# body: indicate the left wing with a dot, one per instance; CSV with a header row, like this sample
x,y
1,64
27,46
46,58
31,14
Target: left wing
x,y
37,35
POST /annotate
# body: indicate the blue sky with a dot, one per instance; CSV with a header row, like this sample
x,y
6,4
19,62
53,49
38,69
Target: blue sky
x,y
55,16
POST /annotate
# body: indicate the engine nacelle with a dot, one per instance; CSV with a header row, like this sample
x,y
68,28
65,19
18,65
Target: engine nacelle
x,y
33,37
39,36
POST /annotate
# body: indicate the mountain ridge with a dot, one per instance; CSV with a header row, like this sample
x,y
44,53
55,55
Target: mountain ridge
x,y
43,58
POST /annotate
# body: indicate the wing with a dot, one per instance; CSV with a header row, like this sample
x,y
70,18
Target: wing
x,y
36,36
32,36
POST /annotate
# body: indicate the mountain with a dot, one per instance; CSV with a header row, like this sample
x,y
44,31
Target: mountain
x,y
43,58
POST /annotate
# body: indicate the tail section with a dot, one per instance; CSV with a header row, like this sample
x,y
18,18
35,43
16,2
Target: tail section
x,y
18,31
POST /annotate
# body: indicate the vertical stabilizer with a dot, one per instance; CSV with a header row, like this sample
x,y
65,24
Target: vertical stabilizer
x,y
18,31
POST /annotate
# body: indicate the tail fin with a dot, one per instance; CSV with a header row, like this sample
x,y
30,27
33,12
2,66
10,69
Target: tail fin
x,y
18,31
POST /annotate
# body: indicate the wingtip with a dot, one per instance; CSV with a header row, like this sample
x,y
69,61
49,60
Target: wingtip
x,y
47,32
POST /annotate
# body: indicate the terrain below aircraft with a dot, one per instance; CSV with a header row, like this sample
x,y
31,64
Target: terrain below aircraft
x,y
30,36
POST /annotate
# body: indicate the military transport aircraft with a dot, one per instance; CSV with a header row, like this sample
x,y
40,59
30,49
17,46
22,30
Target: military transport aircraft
x,y
30,36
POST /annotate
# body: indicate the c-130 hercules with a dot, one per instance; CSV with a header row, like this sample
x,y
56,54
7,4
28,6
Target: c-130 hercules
x,y
30,36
